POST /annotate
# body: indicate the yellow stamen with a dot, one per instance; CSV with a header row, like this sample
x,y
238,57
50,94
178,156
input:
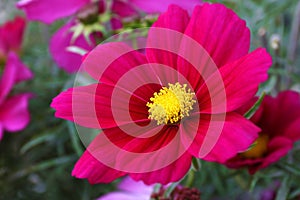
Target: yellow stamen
x,y
258,149
171,104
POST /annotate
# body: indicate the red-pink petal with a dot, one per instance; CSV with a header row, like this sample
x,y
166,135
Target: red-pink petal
x,y
48,11
93,106
230,137
158,6
90,164
239,162
148,150
11,35
220,31
175,19
172,173
113,56
78,105
96,172
240,82
14,114
60,41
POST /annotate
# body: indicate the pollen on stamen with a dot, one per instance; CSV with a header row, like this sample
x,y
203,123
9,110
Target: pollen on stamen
x,y
171,104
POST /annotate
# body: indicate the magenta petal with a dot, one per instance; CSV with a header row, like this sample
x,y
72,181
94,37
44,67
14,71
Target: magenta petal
x,y
23,73
7,80
220,31
14,114
48,11
174,18
172,173
60,41
14,72
240,79
89,167
158,6
123,9
237,134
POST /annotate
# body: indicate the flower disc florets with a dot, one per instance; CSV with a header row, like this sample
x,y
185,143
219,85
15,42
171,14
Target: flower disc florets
x,y
171,104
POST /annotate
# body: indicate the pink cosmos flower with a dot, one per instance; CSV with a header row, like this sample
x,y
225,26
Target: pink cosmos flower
x,y
279,120
14,115
86,12
175,105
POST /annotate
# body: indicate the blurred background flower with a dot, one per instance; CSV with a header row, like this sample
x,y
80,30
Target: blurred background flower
x,y
90,21
14,114
279,120
129,189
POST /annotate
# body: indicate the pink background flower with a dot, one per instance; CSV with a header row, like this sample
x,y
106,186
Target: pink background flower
x,y
279,119
61,40
14,114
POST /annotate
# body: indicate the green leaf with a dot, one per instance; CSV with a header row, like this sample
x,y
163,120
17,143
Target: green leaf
x,y
190,178
253,182
294,194
269,85
255,107
196,164
290,168
170,189
75,139
44,165
36,141
284,188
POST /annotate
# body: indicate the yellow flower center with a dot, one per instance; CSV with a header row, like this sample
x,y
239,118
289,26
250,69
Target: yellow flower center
x,y
171,104
258,149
